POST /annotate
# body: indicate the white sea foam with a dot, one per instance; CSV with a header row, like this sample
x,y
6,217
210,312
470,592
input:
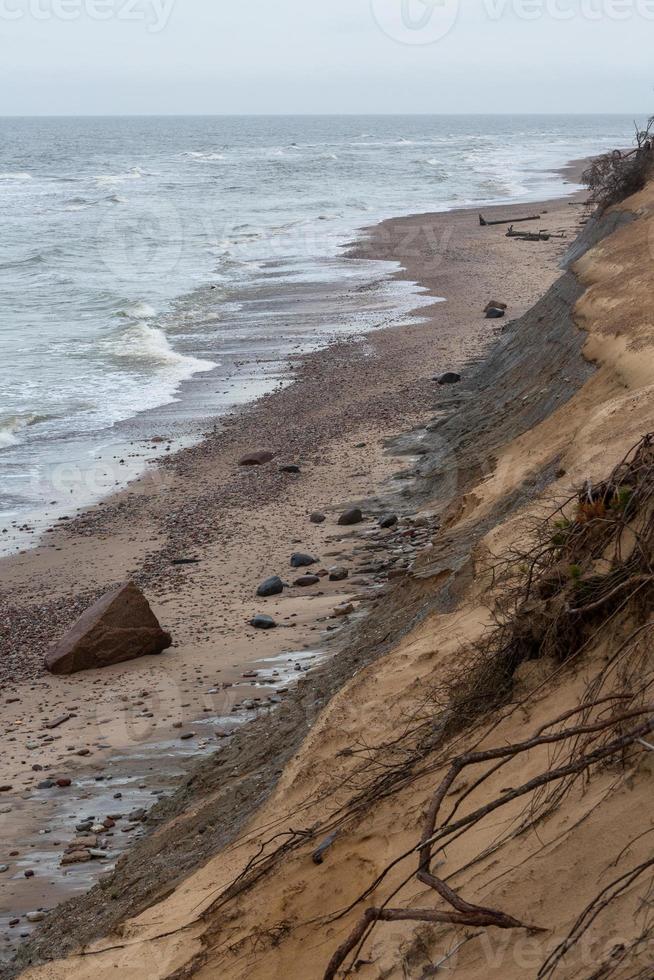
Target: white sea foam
x,y
107,180
143,345
198,155
15,176
139,311
12,428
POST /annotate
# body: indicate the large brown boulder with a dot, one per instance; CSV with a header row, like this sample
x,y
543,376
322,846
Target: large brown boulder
x,y
258,458
120,626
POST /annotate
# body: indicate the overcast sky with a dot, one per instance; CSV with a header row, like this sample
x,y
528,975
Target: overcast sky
x,y
379,56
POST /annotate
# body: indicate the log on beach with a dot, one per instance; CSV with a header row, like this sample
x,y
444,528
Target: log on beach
x,y
506,221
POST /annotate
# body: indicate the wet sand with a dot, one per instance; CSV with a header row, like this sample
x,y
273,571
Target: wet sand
x,y
335,420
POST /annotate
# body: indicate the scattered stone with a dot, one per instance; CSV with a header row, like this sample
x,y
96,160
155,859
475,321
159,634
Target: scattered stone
x,y
290,468
187,736
338,573
76,857
345,610
304,581
3,868
6,788
299,560
28,874
120,626
35,916
449,378
263,623
139,814
58,721
46,784
495,305
257,458
271,586
63,782
352,516
494,313
317,518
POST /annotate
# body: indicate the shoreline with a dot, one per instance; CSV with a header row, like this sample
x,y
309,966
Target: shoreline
x,y
124,453
382,389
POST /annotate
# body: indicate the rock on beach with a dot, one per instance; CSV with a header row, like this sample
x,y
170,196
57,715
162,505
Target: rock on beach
x,y
118,627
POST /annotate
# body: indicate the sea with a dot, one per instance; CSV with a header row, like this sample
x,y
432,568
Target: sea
x,y
156,272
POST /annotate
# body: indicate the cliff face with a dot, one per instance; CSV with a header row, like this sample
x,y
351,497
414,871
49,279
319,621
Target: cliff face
x,y
543,842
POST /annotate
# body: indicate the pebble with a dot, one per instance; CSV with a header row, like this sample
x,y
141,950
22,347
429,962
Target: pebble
x,y
449,378
388,520
317,518
35,916
304,581
350,517
338,573
263,623
300,560
3,868
271,586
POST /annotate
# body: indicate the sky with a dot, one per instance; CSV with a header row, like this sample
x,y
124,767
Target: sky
x,y
325,56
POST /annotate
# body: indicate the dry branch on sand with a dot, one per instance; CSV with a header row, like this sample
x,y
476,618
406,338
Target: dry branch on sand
x,y
557,607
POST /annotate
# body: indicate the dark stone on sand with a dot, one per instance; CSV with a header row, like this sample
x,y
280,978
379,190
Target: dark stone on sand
x,y
495,304
449,378
494,313
304,581
263,623
389,520
299,560
185,561
338,573
290,468
6,789
118,627
257,458
317,518
352,516
271,586
64,782
46,784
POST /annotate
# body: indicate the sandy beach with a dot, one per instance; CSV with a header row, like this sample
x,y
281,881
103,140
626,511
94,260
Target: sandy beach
x,y
198,534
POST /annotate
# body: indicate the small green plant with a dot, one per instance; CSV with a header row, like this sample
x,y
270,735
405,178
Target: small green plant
x,y
621,500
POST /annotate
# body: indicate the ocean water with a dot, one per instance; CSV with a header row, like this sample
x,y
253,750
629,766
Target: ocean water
x,y
173,264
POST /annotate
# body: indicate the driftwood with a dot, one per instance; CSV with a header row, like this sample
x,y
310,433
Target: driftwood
x,y
484,223
461,912
532,236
